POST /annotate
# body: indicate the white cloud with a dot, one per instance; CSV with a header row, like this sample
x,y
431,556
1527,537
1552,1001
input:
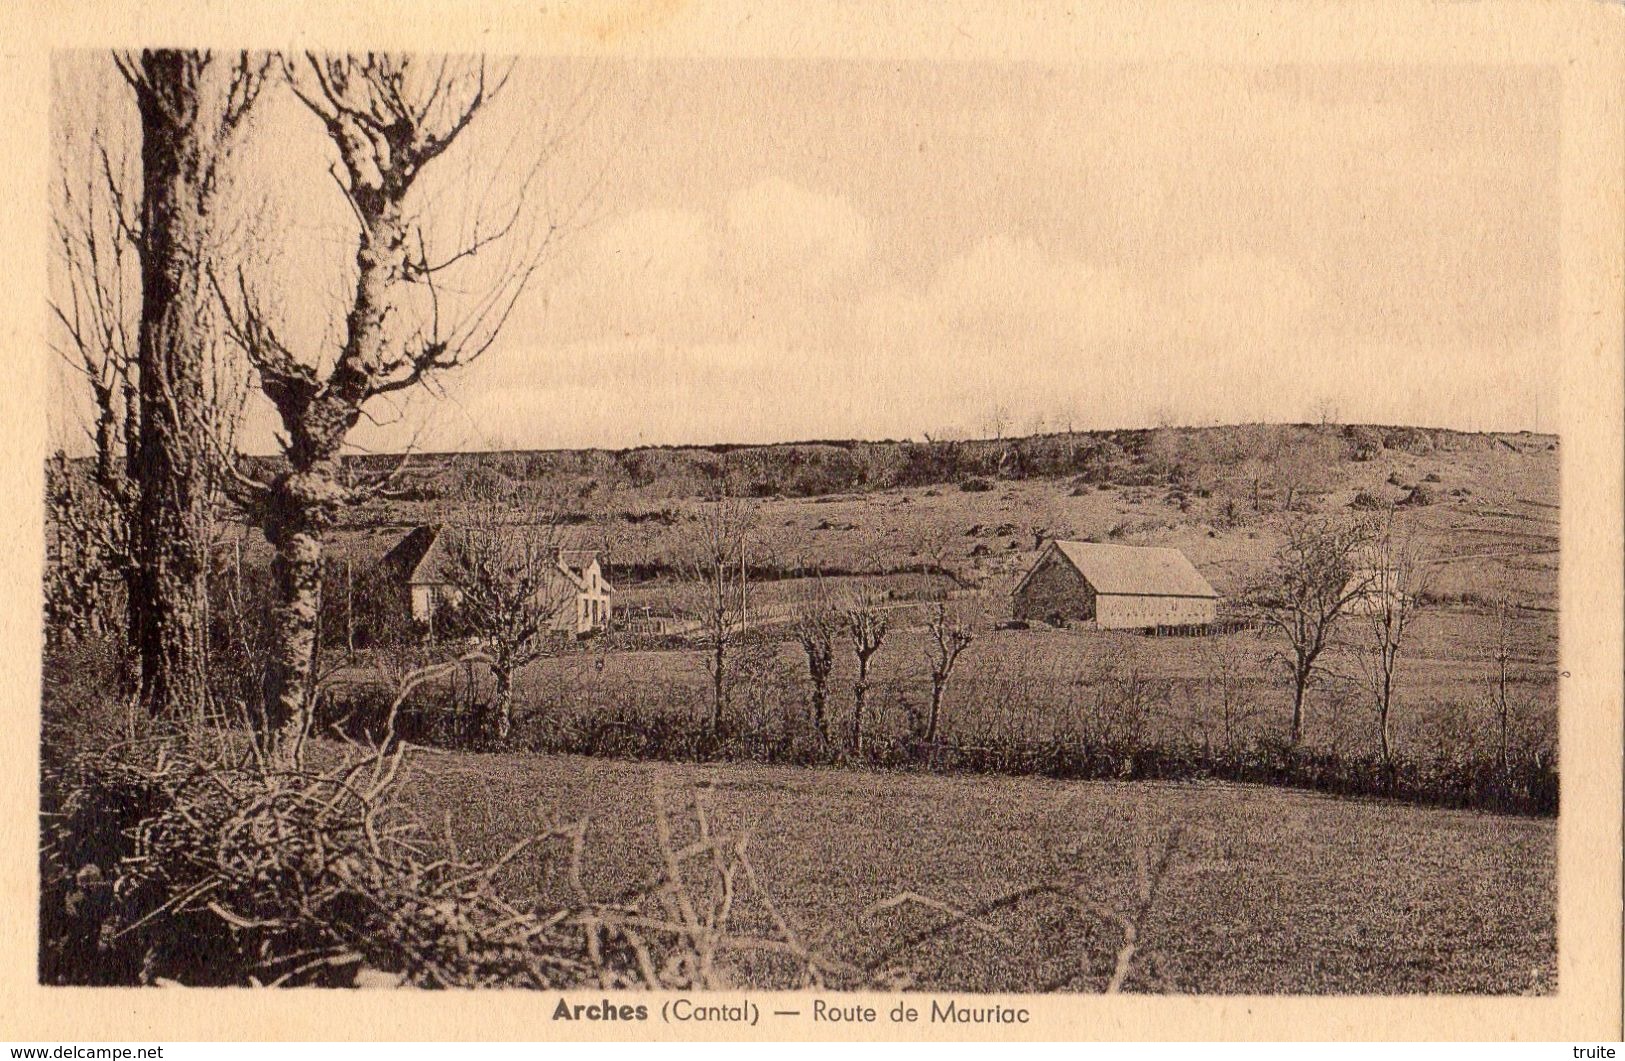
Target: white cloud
x,y
694,327
779,229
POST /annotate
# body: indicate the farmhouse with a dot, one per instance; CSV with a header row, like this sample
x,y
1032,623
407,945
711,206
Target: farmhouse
x,y
1117,587
423,561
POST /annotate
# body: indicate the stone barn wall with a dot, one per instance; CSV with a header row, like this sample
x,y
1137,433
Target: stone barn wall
x,y
1054,590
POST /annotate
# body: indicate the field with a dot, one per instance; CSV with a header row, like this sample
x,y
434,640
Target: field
x,y
1071,703
1065,758
1217,494
1270,891
1029,684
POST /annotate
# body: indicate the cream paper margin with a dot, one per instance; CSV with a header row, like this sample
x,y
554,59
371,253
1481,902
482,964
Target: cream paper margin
x,y
1585,40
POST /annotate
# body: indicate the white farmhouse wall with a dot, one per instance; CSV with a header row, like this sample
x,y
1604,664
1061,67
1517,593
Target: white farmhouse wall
x,y
580,610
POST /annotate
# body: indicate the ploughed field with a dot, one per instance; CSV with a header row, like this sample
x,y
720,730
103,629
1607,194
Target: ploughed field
x,y
1268,890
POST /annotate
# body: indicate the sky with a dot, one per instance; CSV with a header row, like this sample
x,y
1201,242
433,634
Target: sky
x,y
769,250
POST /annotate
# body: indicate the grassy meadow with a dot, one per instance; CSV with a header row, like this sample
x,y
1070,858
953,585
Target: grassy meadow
x,y
1269,891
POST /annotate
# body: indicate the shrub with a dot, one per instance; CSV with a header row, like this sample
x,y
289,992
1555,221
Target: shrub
x,y
1135,528
1365,443
474,482
1410,439
1366,501
417,492
1419,495
975,485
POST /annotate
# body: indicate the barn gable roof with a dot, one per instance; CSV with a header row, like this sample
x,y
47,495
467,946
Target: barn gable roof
x,y
1134,570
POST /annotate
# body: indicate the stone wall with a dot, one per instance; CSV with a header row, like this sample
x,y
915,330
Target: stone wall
x,y
1054,590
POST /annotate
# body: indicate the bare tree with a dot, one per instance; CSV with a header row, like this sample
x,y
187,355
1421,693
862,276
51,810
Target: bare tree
x,y
949,633
188,129
96,286
1304,467
866,629
1227,676
390,118
998,421
1311,581
1502,653
139,324
1128,694
933,543
816,626
1164,452
1254,449
87,563
513,593
717,562
1398,574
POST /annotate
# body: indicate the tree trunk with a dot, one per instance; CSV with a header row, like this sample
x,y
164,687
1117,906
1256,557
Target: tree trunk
x,y
349,611
937,686
1387,739
820,724
501,721
301,507
719,679
1506,752
860,690
304,501
296,578
1384,718
1299,681
168,538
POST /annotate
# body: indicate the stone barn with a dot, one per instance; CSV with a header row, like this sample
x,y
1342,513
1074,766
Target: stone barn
x,y
1116,587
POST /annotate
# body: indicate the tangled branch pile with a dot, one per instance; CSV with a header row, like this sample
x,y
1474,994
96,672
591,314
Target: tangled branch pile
x,y
191,861
168,863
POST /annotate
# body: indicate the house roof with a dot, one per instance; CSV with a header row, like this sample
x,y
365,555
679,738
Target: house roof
x,y
1134,570
435,562
407,554
577,560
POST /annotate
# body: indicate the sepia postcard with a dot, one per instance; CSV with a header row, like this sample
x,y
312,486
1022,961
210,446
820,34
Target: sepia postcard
x,y
646,519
